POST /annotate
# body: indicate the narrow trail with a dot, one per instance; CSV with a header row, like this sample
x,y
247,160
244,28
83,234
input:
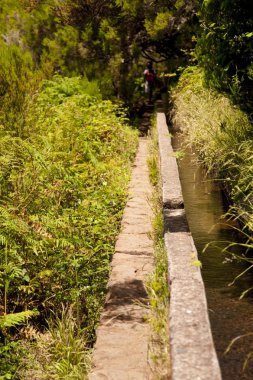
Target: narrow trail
x,y
121,349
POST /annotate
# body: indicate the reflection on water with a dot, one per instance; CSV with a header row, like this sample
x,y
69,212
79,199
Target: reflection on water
x,y
229,316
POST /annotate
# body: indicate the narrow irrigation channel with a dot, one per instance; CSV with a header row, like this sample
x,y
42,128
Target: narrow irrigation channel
x,y
229,316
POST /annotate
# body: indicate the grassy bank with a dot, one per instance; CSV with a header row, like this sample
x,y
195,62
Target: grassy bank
x,y
63,187
222,136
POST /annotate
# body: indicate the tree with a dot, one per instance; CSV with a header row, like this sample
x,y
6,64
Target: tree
x,y
225,47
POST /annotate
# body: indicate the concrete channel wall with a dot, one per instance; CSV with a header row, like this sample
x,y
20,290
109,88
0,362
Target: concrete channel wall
x,y
193,356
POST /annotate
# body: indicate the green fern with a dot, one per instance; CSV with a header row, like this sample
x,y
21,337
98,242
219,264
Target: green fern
x,y
16,319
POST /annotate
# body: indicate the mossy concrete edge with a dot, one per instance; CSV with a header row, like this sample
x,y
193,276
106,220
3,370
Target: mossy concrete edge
x,y
193,355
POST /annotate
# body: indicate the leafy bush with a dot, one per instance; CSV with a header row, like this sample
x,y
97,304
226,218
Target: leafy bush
x,y
63,188
225,47
15,84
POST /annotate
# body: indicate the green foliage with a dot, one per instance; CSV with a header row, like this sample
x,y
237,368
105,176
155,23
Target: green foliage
x,y
60,352
57,90
9,358
225,47
63,188
59,50
160,24
68,346
195,261
221,134
15,319
157,287
153,160
15,83
105,41
65,153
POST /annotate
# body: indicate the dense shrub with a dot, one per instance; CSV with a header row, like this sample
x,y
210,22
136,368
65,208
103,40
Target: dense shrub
x,y
63,188
225,47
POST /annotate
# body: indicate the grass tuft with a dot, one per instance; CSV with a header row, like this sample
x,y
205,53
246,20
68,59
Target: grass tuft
x,y
59,353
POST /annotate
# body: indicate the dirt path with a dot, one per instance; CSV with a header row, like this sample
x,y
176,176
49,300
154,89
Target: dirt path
x,y
121,350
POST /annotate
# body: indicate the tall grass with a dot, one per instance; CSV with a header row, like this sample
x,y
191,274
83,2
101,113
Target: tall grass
x,y
222,136
59,353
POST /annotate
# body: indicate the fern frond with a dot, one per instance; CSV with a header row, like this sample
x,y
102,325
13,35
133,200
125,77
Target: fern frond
x,y
15,319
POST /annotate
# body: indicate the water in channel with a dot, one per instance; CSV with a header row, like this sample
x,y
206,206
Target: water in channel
x,y
229,316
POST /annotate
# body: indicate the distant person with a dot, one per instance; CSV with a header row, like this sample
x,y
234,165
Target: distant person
x,y
149,78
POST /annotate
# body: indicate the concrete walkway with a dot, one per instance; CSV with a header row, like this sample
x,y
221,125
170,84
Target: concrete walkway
x,y
121,349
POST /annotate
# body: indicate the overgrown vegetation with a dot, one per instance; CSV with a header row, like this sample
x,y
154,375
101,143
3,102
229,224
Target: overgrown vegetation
x,y
64,162
222,135
59,353
66,149
213,106
105,41
63,182
209,96
225,46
